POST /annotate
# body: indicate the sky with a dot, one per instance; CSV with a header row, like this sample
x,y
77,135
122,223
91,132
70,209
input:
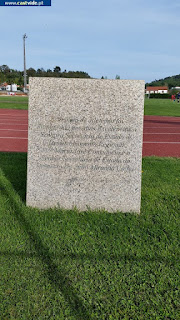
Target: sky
x,y
135,39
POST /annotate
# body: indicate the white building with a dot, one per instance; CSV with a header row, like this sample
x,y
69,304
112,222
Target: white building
x,y
161,90
176,88
11,87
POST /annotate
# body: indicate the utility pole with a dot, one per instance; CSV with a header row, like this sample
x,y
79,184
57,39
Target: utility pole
x,y
25,80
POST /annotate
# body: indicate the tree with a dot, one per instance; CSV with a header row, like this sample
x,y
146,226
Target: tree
x,y
170,85
117,77
16,76
41,72
4,68
31,72
57,69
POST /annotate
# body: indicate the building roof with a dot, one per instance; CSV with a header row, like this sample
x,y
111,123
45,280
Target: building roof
x,y
156,88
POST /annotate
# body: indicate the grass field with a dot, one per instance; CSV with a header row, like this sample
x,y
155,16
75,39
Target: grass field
x,y
161,107
63,264
14,102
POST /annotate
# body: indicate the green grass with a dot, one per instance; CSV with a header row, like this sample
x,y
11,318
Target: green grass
x,y
162,107
65,264
14,102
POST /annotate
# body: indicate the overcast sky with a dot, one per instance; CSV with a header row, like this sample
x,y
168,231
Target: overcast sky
x,y
135,39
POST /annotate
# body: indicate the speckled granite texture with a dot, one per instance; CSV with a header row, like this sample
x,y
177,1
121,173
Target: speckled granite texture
x,y
85,144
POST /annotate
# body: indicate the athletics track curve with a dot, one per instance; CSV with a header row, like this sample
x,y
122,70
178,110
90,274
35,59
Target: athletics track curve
x,y
161,135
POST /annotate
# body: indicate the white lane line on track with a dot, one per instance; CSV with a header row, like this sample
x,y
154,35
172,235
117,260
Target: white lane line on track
x,y
161,142
12,130
16,117
13,138
159,127
14,121
14,124
162,133
13,116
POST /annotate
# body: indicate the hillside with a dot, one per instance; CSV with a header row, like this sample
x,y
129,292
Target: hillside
x,y
173,81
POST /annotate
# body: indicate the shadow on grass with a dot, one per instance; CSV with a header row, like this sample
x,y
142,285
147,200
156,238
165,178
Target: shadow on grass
x,y
105,257
58,278
14,167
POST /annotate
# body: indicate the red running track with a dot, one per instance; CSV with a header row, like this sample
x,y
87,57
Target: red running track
x,y
161,134
13,130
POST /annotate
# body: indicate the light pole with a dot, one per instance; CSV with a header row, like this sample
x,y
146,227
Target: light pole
x,y
25,80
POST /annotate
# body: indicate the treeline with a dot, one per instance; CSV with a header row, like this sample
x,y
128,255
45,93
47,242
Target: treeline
x,y
173,81
15,76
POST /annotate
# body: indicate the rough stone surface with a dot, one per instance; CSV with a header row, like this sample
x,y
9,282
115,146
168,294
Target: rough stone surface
x,y
85,144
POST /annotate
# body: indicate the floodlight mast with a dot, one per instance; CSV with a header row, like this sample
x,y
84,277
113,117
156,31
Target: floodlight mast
x,y
25,79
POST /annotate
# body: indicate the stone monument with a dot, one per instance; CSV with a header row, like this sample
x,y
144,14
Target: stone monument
x,y
85,144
